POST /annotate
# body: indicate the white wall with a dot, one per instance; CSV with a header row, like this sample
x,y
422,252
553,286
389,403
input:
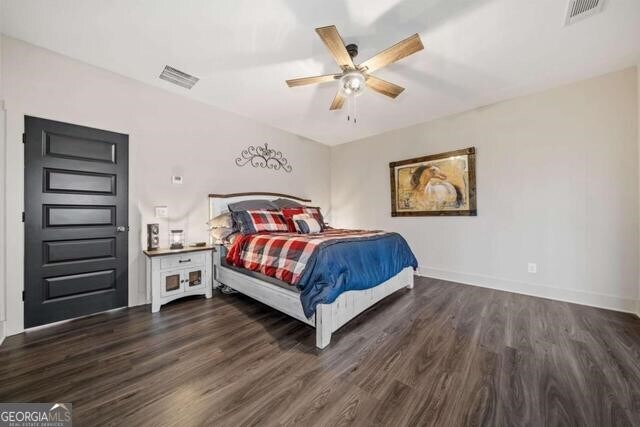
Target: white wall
x,y
557,184
168,134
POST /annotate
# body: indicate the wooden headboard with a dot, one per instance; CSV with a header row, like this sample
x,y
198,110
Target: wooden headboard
x,y
218,202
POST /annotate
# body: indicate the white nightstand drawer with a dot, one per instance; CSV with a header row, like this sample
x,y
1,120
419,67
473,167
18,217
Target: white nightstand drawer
x,y
182,261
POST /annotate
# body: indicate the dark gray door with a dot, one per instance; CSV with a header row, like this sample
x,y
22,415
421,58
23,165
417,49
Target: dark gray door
x,y
76,203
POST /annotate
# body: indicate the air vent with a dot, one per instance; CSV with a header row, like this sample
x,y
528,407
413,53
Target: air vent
x,y
580,9
177,77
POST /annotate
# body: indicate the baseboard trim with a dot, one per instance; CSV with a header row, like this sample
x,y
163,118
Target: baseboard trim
x,y
609,302
60,322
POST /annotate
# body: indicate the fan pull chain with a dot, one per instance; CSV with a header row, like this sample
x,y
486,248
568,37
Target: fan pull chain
x,y
355,111
352,110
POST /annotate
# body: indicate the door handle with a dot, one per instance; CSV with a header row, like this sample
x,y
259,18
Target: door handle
x,y
122,229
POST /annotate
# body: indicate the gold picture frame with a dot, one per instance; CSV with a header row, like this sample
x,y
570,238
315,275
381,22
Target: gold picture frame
x,y
437,185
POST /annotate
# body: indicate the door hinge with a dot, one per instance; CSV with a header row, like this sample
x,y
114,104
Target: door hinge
x,y
22,216
23,295
24,138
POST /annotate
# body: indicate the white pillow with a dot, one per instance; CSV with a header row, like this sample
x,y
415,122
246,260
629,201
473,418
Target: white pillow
x,y
220,234
301,216
221,221
306,225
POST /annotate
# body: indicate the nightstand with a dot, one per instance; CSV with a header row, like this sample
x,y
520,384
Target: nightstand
x,y
177,273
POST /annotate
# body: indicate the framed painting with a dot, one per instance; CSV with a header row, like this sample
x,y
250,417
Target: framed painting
x,y
436,185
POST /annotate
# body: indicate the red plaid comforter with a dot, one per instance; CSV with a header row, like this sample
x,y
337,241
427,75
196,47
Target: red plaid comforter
x,y
284,255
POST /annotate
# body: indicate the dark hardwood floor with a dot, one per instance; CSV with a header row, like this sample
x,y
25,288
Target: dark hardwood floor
x,y
442,354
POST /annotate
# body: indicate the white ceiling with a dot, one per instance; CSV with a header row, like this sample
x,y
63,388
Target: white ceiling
x,y
476,51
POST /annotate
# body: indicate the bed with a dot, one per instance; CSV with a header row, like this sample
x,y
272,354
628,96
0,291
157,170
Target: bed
x,y
303,302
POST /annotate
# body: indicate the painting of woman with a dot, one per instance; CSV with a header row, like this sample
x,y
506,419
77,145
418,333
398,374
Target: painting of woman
x,y
442,184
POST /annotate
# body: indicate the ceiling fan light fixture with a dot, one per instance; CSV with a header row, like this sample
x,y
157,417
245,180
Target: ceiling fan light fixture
x,y
352,83
354,78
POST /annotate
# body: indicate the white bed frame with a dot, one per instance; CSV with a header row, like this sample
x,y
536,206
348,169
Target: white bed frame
x,y
328,317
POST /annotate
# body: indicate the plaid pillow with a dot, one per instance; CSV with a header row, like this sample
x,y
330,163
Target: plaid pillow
x,y
313,211
251,222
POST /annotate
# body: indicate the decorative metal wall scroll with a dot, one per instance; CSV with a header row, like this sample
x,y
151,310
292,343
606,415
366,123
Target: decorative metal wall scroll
x,y
263,157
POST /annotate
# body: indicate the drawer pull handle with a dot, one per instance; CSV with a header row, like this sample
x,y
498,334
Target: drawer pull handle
x,y
184,260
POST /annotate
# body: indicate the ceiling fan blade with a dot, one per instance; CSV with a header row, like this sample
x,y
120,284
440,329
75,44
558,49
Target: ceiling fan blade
x,y
384,87
338,101
334,43
312,80
395,53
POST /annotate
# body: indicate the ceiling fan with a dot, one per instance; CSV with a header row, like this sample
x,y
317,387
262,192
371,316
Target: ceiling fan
x,y
354,78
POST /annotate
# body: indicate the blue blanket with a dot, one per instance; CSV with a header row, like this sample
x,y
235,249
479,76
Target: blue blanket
x,y
352,264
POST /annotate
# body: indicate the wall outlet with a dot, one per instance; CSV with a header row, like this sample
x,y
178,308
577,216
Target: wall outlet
x,y
532,267
161,211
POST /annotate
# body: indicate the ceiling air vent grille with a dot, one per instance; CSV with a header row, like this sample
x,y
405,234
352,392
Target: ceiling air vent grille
x,y
177,77
580,9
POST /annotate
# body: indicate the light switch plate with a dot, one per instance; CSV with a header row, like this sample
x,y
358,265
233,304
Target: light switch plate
x,y
176,179
161,211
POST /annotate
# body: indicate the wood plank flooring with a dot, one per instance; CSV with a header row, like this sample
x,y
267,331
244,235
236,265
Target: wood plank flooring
x,y
441,354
